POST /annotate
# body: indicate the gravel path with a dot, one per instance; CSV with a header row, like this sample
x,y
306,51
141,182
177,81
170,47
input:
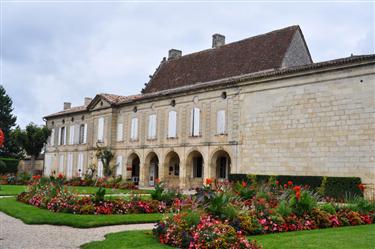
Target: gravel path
x,y
14,234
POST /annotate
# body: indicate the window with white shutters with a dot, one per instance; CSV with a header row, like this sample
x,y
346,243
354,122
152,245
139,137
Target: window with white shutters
x,y
81,133
61,164
220,122
52,138
119,165
71,135
195,122
172,124
120,129
69,172
101,129
134,129
152,126
80,165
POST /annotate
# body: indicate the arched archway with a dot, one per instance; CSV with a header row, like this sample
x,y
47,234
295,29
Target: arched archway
x,y
133,167
194,169
172,169
220,165
151,168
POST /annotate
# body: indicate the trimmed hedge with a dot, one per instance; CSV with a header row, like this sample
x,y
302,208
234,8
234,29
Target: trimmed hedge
x,y
336,187
8,165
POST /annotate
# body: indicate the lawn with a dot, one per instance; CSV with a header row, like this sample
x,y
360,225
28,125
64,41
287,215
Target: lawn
x,y
16,189
33,215
359,237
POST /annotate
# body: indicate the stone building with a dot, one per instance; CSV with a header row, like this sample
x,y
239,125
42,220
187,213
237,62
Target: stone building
x,y
259,105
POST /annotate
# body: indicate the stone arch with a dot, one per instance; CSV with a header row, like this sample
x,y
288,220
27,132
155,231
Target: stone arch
x,y
151,169
133,167
220,164
171,167
194,168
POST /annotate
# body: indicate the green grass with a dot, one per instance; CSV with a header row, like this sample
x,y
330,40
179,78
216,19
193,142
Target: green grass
x,y
359,237
16,189
33,215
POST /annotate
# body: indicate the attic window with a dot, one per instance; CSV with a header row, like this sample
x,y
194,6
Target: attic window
x,y
101,103
53,123
72,119
173,102
224,95
135,109
83,117
63,121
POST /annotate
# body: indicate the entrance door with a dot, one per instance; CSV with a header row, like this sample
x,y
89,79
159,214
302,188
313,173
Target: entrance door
x,y
151,180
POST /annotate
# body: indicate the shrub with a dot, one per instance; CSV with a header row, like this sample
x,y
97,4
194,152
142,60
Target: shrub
x,y
221,207
321,217
99,195
339,187
250,224
304,204
284,209
8,165
328,207
166,195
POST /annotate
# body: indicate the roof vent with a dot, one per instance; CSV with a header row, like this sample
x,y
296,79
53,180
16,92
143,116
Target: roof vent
x,y
218,40
67,105
174,54
87,100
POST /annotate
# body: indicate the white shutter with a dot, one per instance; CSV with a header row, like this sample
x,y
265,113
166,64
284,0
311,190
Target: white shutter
x,y
85,134
172,125
76,134
59,137
80,164
101,129
134,129
196,122
69,173
152,126
120,128
192,122
52,141
61,164
119,165
71,135
65,135
220,122
100,168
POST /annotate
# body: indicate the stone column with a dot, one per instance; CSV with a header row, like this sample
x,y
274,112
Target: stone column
x,y
183,174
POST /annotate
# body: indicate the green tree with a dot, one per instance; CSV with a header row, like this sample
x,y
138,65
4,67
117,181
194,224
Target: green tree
x,y
7,121
105,155
32,140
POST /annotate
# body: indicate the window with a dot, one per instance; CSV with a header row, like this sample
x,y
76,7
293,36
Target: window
x,y
80,165
195,122
134,129
152,126
174,169
62,133
172,124
71,135
61,164
101,129
120,131
52,138
220,122
119,165
223,167
82,133
69,172
197,167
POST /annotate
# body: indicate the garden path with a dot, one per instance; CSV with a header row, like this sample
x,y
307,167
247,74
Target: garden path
x,y
14,234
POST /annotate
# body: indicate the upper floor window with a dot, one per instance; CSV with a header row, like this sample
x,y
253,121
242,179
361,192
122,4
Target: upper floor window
x,y
134,129
195,122
220,122
152,126
62,134
172,124
71,134
120,132
82,134
101,129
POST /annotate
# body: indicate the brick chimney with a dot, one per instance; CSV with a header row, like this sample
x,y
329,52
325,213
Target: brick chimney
x,y
218,40
87,100
67,105
174,54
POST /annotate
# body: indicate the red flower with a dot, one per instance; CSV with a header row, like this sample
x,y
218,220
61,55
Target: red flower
x,y
297,188
361,187
244,184
298,195
60,176
285,185
36,177
208,181
277,182
290,183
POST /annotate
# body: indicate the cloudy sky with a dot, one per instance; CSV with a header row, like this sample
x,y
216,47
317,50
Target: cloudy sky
x,y
54,52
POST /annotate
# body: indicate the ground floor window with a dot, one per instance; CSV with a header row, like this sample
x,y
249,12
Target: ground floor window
x,y
198,167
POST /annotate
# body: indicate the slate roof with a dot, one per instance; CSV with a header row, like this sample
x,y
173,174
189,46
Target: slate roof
x,y
254,54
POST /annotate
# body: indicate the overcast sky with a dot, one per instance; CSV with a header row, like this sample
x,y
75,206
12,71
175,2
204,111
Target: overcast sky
x,y
56,52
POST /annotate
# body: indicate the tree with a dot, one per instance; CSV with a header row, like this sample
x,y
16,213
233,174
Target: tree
x,y
32,140
105,155
7,121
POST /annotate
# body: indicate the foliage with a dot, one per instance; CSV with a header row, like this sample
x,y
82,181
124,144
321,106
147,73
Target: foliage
x,y
284,209
303,204
8,165
163,194
221,206
99,195
328,207
105,155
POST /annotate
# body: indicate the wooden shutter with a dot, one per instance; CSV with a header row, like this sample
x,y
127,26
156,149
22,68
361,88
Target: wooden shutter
x,y
101,129
220,122
152,126
119,165
85,134
69,173
134,129
61,164
52,140
80,164
120,128
65,135
172,124
196,121
71,135
59,137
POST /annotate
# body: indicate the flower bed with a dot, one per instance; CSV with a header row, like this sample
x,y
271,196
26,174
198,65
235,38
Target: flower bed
x,y
52,195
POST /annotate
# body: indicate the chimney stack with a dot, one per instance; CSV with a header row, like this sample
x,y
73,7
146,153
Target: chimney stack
x,y
218,40
67,105
174,54
87,100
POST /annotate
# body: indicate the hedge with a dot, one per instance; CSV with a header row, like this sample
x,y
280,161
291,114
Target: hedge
x,y
8,165
336,187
